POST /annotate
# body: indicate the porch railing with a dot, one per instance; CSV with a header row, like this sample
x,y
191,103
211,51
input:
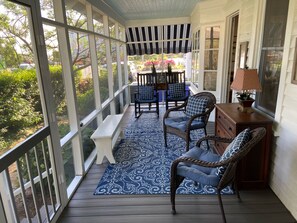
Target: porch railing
x,y
28,185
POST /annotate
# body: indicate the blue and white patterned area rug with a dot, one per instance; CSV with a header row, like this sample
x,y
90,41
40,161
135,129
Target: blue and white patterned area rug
x,y
143,163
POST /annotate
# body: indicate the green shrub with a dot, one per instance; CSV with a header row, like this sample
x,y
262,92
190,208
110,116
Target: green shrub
x,y
103,85
58,89
3,144
88,144
19,100
33,162
86,102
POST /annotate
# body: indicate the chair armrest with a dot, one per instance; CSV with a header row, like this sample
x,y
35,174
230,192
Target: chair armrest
x,y
174,109
214,138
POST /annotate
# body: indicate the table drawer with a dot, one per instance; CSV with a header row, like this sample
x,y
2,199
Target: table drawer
x,y
221,132
229,127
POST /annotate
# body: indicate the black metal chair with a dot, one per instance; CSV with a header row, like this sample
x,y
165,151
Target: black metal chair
x,y
176,88
146,94
197,110
205,167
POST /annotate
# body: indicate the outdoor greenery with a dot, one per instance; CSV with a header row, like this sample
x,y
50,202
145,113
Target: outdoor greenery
x,y
14,28
20,106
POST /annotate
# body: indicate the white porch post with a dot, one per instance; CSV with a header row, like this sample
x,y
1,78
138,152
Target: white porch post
x,y
7,212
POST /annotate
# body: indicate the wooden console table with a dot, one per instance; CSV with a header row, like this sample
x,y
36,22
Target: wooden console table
x,y
253,170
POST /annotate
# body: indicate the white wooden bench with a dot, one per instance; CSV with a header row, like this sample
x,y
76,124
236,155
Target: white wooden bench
x,y
105,137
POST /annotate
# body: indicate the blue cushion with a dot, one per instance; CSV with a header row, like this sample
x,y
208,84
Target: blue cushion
x,y
181,123
176,90
196,106
146,92
233,148
204,175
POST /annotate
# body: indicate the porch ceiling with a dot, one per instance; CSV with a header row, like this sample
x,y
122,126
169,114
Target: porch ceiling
x,y
155,26
152,9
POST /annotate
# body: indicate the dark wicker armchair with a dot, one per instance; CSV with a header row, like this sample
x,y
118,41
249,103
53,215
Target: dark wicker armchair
x,y
197,111
205,167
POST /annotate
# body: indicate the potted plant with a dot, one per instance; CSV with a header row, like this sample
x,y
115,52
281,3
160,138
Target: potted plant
x,y
245,100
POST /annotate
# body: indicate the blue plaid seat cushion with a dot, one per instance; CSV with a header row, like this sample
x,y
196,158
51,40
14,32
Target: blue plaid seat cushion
x,y
196,106
234,147
146,92
176,90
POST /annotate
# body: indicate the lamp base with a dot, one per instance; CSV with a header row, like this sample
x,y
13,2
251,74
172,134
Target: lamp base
x,y
245,105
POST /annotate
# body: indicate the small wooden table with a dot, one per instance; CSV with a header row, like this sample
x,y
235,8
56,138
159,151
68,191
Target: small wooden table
x,y
253,170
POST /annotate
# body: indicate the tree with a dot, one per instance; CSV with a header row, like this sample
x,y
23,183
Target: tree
x,y
15,34
9,57
15,40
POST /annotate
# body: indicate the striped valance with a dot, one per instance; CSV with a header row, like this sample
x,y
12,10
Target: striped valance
x,y
158,39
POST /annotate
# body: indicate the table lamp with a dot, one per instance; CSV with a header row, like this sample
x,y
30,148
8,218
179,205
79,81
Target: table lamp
x,y
246,82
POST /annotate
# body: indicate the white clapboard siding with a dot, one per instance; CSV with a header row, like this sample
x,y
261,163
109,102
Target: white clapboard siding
x,y
284,163
246,20
283,179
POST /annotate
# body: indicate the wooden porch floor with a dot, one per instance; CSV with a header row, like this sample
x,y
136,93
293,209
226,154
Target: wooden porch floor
x,y
256,206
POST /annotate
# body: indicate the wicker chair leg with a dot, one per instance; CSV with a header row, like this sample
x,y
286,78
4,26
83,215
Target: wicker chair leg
x,y
221,206
175,182
172,198
165,135
188,139
235,186
173,187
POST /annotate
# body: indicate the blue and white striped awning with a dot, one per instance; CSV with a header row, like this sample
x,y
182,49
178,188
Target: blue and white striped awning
x,y
158,39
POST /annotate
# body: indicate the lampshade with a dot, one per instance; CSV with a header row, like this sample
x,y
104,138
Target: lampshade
x,y
246,80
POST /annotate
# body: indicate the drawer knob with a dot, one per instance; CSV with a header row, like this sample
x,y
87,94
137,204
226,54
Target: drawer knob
x,y
230,128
